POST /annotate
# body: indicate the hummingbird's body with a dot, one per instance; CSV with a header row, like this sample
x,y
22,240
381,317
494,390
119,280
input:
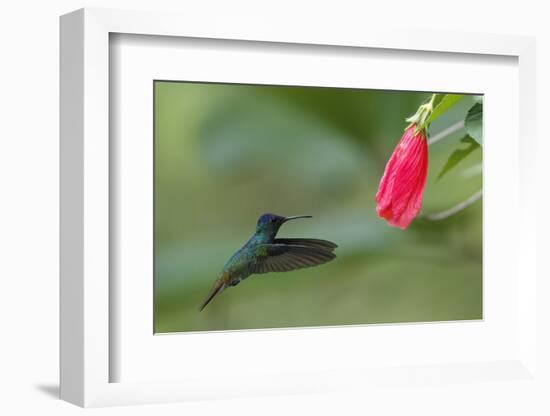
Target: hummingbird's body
x,y
263,253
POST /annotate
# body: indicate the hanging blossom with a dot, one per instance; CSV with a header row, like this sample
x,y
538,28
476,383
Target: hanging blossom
x,y
399,196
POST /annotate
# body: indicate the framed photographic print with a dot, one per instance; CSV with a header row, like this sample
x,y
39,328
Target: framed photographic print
x,y
272,149
255,212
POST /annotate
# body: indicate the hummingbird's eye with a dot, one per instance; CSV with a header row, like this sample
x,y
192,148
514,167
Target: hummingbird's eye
x,y
273,219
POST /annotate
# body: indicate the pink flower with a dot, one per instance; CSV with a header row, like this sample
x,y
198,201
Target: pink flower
x,y
399,196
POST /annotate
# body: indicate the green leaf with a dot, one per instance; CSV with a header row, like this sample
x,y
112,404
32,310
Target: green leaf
x,y
442,103
437,99
459,155
474,122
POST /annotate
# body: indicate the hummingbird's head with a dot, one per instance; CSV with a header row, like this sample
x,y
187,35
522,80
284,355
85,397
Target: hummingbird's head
x,y
270,223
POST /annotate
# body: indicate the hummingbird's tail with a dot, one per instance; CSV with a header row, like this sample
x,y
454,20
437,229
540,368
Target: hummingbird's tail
x,y
218,287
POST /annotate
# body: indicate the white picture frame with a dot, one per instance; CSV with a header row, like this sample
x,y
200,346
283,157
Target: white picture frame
x,y
87,356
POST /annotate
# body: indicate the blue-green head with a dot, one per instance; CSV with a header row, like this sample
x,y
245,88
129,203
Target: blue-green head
x,y
269,224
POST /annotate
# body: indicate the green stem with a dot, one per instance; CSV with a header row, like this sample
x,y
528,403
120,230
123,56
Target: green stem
x,y
423,112
443,134
431,103
438,216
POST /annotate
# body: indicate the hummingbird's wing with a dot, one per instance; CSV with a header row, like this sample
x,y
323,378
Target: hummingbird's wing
x,y
309,242
285,257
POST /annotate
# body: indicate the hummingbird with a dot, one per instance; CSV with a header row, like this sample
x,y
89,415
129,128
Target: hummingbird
x,y
263,253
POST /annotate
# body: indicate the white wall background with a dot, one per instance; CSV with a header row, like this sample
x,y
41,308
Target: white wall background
x,y
29,187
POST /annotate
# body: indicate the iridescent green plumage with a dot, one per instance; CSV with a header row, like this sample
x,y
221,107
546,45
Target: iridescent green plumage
x,y
263,253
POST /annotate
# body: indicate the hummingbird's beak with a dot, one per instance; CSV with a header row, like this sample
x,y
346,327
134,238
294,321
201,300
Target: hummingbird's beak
x,y
296,217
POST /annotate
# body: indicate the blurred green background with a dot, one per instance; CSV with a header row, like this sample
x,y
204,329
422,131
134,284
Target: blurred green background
x,y
224,154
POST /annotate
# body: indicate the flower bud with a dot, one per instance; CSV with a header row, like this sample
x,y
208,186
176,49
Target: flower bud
x,y
399,196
